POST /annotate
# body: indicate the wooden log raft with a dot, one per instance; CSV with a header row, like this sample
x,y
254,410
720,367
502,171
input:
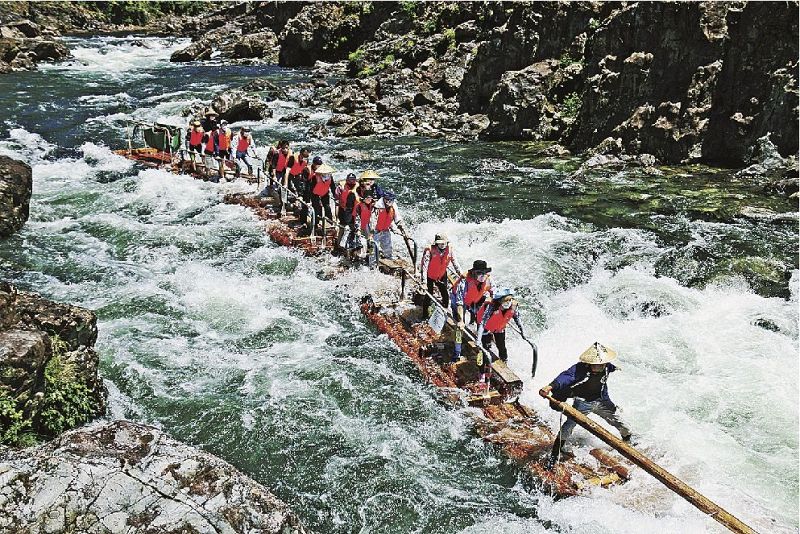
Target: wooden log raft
x,y
154,158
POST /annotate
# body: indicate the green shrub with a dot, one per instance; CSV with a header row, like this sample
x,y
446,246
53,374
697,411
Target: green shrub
x,y
594,24
357,54
410,8
14,428
67,401
450,36
566,60
571,106
365,72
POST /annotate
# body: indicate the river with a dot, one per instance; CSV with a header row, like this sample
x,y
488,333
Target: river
x,y
248,350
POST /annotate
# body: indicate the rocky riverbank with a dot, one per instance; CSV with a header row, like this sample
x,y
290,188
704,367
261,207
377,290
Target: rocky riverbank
x,y
691,82
123,476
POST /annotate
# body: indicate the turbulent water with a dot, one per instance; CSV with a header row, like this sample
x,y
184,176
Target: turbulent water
x,y
248,350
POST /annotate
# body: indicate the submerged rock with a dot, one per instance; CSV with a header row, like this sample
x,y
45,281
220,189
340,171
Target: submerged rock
x,y
128,477
16,186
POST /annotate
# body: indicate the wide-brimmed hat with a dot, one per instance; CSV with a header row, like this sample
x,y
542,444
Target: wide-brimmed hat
x,y
325,169
480,267
369,174
597,354
196,123
441,238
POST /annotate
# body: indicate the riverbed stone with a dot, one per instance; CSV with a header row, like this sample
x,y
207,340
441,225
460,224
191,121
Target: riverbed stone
x,y
16,187
122,476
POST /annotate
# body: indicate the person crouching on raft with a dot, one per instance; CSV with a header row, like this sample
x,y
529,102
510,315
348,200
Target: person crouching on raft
x,y
468,293
388,218
493,317
587,382
435,260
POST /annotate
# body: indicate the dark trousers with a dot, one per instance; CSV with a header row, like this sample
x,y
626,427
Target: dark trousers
x,y
442,285
499,339
320,203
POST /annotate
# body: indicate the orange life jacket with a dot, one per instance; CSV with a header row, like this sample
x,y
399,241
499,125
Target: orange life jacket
x,y
298,166
363,210
499,319
210,142
437,266
243,144
280,166
224,139
322,187
385,219
344,193
196,136
475,290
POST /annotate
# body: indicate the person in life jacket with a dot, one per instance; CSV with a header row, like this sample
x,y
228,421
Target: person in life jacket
x,y
346,200
296,164
388,218
224,138
435,260
469,292
367,182
320,186
210,119
362,216
493,317
277,159
210,138
587,382
244,144
194,137
210,142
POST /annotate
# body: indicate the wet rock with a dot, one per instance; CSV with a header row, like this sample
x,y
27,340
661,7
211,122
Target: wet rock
x,y
237,105
350,155
360,127
75,326
263,45
555,151
294,117
338,119
23,355
318,131
117,476
16,186
194,52
262,85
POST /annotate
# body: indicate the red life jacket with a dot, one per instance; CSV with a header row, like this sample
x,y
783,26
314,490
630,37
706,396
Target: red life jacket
x,y
322,187
280,165
298,166
196,137
346,193
224,139
437,266
474,290
243,144
385,219
499,319
210,142
363,210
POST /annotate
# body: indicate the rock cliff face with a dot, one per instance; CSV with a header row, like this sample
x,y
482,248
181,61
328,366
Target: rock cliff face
x,y
677,81
16,186
128,477
48,367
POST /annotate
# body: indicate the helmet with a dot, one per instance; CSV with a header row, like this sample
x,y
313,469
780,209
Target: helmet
x,y
389,196
503,293
316,161
351,178
441,238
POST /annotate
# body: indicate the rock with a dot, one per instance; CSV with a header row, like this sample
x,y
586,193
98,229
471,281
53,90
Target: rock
x,y
767,161
427,97
555,151
338,119
350,155
50,50
23,355
236,105
27,28
75,326
294,117
194,52
117,476
263,45
262,85
7,32
601,160
358,128
16,186
609,145
318,131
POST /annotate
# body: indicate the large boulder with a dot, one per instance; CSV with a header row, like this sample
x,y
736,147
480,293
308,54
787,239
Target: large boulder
x,y
262,45
127,477
16,186
237,105
196,51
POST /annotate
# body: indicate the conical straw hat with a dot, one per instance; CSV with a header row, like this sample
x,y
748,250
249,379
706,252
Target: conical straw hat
x,y
597,354
324,169
369,174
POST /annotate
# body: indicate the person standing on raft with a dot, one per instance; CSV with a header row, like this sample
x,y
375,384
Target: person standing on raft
x,y
468,293
388,217
493,317
244,143
587,382
433,270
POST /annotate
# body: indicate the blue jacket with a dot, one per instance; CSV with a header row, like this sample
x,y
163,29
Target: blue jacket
x,y
563,383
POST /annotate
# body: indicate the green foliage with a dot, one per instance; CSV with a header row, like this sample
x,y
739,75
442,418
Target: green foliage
x,y
594,24
566,60
356,55
429,26
387,61
410,8
67,402
365,72
141,13
571,106
450,36
14,428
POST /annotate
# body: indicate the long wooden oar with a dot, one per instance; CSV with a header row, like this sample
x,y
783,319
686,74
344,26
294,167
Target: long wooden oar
x,y
668,479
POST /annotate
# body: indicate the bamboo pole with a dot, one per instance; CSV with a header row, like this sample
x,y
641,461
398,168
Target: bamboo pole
x,y
668,479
